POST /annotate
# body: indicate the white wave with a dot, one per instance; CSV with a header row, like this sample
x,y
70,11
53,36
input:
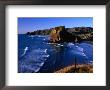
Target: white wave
x,y
37,69
61,45
37,57
40,64
80,49
45,55
76,46
26,48
41,50
70,45
41,35
29,67
83,54
45,50
91,61
51,43
48,43
32,36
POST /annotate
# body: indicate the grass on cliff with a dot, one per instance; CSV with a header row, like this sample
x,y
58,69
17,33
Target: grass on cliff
x,y
78,69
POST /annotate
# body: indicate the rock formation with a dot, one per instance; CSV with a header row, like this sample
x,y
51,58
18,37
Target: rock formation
x,y
55,35
62,34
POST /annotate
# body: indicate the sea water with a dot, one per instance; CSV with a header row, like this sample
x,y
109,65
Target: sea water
x,y
37,55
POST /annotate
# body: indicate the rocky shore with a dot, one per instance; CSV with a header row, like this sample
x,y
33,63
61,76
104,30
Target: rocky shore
x,y
81,68
62,34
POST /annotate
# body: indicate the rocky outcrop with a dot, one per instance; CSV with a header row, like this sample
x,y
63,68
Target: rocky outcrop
x,y
40,32
55,35
81,68
62,34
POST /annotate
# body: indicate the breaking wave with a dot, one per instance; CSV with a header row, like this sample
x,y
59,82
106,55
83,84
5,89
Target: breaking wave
x,y
25,50
33,61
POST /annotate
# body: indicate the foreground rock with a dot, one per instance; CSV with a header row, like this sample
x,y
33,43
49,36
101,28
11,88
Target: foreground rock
x,y
83,68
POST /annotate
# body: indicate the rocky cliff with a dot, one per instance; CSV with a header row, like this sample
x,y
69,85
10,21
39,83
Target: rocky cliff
x,y
62,34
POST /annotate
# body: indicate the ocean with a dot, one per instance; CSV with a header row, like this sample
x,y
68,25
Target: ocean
x,y
37,55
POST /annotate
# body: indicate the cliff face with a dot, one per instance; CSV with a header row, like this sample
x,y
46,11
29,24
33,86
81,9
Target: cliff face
x,y
40,32
55,35
62,34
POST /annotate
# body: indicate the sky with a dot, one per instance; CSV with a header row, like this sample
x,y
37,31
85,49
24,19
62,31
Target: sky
x,y
27,24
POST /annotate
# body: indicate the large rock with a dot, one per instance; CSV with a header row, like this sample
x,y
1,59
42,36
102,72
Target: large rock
x,y
60,34
55,34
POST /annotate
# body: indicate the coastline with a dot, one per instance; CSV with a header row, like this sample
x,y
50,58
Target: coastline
x,y
79,68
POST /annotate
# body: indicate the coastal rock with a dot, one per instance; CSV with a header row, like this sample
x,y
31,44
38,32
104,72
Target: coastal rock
x,y
62,34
